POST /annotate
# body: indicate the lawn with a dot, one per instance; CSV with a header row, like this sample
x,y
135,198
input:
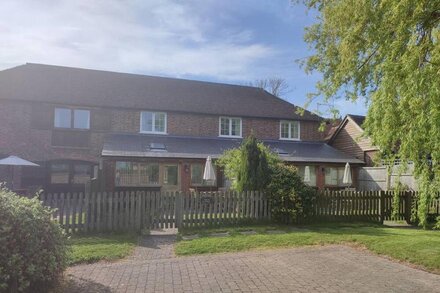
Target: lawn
x,y
92,248
415,246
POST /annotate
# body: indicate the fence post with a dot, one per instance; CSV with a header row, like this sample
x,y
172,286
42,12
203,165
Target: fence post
x,y
408,206
178,210
381,206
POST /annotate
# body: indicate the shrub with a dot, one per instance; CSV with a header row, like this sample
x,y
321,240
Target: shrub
x,y
33,248
248,167
290,199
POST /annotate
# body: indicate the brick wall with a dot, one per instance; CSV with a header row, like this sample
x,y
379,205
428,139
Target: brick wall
x,y
26,129
186,124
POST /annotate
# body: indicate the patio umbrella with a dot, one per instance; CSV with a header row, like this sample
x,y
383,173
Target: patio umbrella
x,y
209,173
13,161
16,161
307,174
347,175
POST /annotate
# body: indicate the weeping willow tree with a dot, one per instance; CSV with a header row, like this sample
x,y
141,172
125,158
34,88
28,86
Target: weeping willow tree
x,y
388,52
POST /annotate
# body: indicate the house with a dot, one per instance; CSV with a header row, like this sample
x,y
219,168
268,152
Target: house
x,y
127,131
349,138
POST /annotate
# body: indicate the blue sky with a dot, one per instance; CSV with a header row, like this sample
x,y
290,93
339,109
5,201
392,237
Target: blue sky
x,y
222,41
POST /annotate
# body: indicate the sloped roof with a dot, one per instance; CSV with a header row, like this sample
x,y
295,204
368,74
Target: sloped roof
x,y
139,145
358,119
86,87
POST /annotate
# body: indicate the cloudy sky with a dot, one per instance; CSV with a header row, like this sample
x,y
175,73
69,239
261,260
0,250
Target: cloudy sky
x,y
222,41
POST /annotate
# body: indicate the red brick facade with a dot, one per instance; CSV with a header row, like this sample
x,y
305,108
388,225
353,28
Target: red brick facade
x,y
27,130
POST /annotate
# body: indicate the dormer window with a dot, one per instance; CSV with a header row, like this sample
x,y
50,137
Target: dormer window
x,y
289,130
154,122
230,127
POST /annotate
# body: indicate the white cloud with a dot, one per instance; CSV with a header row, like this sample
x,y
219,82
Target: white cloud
x,y
154,37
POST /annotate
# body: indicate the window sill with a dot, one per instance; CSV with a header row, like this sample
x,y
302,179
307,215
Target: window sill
x,y
153,132
290,139
230,136
71,129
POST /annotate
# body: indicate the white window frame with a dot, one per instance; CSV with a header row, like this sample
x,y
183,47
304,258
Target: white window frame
x,y
290,130
72,118
230,126
153,123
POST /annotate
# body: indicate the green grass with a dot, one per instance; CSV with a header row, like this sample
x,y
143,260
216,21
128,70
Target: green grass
x,y
92,248
420,247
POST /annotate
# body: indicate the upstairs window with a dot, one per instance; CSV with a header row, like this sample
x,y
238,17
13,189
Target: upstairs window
x,y
289,130
72,118
154,122
230,126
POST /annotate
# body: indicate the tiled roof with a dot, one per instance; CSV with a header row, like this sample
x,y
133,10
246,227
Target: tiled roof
x,y
138,145
85,87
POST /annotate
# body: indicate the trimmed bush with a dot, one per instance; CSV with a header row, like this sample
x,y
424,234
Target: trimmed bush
x,y
33,250
290,199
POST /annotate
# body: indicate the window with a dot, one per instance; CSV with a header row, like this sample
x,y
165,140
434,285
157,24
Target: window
x,y
289,130
334,176
170,175
312,174
153,122
64,118
230,126
70,172
197,175
81,173
59,173
136,174
81,119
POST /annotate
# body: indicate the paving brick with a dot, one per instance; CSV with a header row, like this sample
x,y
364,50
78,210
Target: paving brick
x,y
154,268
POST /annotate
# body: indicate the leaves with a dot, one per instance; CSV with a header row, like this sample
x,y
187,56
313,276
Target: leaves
x,y
389,53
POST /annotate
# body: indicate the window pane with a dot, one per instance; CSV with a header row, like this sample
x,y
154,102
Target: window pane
x,y
63,118
196,174
312,174
147,121
81,119
59,173
170,175
284,130
81,173
152,174
159,122
294,130
224,126
124,175
331,176
235,127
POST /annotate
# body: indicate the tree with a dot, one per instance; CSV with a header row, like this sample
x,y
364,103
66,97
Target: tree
x,y
249,166
274,85
388,52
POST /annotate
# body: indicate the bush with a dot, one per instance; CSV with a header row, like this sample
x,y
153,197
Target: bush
x,y
290,199
33,248
248,166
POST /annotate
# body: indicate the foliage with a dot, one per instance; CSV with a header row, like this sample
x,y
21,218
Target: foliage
x,y
411,245
388,52
248,166
33,248
92,248
289,197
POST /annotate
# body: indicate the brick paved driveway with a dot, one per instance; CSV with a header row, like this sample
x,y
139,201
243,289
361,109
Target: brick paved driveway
x,y
154,268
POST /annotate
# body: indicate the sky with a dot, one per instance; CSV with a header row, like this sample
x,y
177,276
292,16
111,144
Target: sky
x,y
221,41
